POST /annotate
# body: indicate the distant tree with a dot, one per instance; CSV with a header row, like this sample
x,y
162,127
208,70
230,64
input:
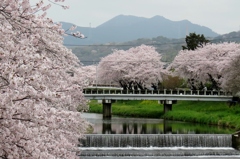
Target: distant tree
x,y
135,68
194,41
205,65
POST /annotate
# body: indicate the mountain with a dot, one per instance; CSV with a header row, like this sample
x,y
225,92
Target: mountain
x,y
124,28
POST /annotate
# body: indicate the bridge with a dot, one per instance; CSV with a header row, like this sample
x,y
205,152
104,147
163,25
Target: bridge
x,y
165,97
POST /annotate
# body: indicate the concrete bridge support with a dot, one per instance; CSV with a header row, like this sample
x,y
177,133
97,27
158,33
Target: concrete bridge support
x,y
167,107
167,104
107,109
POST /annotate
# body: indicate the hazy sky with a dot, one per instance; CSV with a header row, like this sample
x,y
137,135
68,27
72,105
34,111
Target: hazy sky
x,y
222,16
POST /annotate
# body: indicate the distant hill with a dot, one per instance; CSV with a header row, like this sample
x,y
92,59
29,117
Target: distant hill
x,y
124,28
92,54
168,48
230,37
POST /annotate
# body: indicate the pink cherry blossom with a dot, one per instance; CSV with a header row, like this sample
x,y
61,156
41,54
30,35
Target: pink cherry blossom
x,y
232,76
212,60
141,65
40,86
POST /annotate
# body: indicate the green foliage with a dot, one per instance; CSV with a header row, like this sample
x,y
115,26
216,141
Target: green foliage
x,y
194,41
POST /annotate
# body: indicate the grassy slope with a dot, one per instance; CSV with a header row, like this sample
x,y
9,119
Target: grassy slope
x,y
216,113
147,109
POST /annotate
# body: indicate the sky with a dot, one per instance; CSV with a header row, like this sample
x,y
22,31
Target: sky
x,y
222,16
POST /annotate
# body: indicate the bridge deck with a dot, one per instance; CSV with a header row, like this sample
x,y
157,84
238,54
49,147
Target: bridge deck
x,y
189,95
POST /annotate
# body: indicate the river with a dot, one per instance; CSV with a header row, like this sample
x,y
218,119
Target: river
x,y
120,125
140,138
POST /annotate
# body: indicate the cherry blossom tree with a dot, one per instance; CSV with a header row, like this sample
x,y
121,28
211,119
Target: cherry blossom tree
x,y
232,81
89,73
134,68
40,85
205,65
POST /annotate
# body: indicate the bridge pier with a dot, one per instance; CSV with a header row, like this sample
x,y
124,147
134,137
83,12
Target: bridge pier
x,y
107,109
167,104
167,107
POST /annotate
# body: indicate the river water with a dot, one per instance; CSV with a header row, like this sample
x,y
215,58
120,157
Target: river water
x,y
137,138
120,125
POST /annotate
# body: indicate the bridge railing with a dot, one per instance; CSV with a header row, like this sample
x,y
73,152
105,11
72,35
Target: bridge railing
x,y
163,91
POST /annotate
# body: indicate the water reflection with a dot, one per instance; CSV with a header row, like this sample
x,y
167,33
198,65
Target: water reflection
x,y
119,125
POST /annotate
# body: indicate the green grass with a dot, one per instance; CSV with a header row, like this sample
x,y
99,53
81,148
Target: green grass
x,y
146,109
212,113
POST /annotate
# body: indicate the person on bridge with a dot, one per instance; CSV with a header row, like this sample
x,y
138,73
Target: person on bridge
x,y
205,89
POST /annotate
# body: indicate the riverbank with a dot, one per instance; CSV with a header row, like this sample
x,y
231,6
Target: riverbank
x,y
212,113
